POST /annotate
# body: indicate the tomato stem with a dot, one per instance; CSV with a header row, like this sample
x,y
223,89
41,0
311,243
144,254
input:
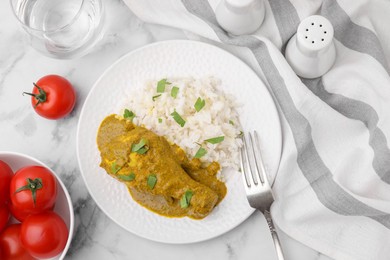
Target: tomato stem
x,y
41,97
33,186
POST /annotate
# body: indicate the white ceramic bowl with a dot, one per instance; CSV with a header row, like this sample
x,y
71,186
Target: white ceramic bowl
x,y
63,207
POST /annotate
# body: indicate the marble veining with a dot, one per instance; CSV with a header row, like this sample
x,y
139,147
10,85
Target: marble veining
x,y
27,126
54,143
9,68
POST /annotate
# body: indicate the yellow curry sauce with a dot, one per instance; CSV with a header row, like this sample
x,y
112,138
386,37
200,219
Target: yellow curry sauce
x,y
158,175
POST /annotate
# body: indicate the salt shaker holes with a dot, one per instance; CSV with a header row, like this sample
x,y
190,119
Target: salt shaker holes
x,y
311,51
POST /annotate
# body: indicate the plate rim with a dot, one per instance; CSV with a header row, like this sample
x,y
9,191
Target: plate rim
x,y
123,57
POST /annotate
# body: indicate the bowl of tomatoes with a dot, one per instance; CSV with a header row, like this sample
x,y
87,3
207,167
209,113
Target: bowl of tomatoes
x,y
36,211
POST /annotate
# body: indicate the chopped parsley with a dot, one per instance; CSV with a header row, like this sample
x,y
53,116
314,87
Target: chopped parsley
x,y
114,168
128,114
185,199
199,104
156,96
200,153
161,85
215,140
141,147
174,91
129,177
178,118
152,180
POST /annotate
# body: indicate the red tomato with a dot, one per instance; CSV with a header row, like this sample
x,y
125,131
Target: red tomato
x,y
33,189
53,97
5,178
44,235
4,217
18,214
11,246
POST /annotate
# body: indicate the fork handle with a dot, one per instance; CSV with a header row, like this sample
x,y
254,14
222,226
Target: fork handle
x,y
275,237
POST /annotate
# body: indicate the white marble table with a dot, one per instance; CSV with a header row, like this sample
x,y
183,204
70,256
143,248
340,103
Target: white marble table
x,y
54,142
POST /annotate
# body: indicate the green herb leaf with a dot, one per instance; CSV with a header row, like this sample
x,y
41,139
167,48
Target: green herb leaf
x,y
161,85
152,180
185,199
160,120
241,134
156,96
174,91
231,122
215,140
143,150
129,177
200,153
128,114
178,119
199,104
141,147
114,168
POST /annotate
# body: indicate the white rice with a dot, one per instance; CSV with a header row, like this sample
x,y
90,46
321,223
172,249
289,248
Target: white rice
x,y
217,118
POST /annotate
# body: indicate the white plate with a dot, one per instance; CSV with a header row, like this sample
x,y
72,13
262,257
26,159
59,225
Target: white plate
x,y
175,59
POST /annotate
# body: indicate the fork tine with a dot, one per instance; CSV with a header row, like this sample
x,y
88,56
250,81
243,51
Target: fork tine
x,y
259,161
249,158
255,174
259,196
243,162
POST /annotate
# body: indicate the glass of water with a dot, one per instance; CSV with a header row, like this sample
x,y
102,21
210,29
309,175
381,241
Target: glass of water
x,y
61,28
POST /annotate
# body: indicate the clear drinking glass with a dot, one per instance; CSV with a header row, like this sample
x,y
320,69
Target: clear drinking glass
x,y
61,28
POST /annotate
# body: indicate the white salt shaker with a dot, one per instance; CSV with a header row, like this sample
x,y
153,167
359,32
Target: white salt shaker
x,y
240,16
311,51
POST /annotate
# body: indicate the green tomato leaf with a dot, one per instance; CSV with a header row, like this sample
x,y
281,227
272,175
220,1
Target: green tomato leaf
x,y
33,186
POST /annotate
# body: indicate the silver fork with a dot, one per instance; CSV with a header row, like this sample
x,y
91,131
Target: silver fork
x,y
257,187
